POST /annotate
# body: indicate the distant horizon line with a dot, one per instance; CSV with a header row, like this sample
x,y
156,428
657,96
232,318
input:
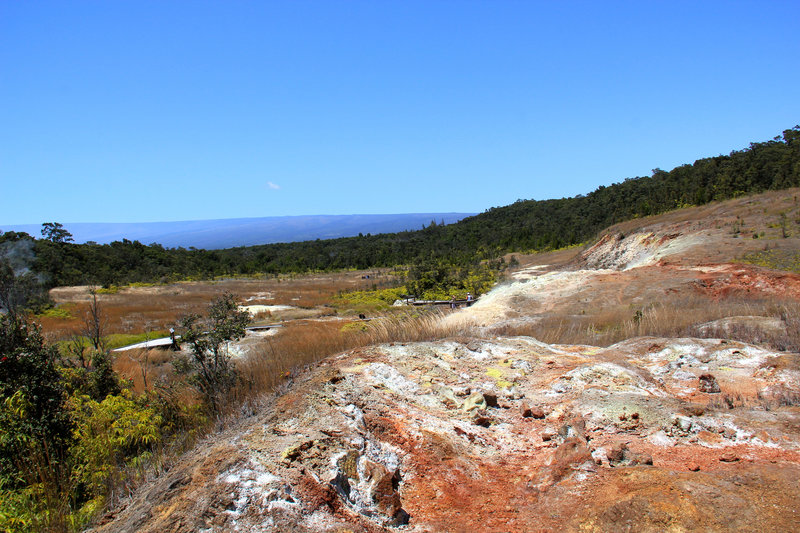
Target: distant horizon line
x,y
245,218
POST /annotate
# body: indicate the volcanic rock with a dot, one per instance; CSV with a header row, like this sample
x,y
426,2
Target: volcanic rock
x,y
708,383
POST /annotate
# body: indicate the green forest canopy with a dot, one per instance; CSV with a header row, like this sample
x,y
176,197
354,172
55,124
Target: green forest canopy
x,y
526,225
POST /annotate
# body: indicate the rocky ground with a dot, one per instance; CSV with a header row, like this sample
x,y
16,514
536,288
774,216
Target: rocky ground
x,y
507,433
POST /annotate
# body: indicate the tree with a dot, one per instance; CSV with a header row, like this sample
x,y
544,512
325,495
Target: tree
x,y
94,322
33,418
208,339
95,374
55,232
56,261
102,379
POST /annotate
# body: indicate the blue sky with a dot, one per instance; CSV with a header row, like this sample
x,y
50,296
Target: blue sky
x,y
156,111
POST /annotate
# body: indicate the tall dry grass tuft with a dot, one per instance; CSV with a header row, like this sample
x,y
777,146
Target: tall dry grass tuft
x,y
278,357
404,328
790,342
144,369
673,316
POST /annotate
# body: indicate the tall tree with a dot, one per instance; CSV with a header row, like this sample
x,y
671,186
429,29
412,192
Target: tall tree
x,y
55,232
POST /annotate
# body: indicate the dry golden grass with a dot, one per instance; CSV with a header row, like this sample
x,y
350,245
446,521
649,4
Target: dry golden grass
x,y
758,212
144,369
673,316
277,358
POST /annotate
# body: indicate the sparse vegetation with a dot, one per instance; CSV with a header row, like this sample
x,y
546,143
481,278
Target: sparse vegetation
x,y
775,259
80,427
674,316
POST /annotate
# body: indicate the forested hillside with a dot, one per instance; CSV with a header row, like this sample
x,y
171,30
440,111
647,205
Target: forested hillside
x,y
523,226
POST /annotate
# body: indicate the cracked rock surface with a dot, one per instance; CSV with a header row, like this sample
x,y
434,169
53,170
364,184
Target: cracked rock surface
x,y
403,437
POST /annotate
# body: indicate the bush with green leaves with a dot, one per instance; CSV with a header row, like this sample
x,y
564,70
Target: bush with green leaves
x,y
370,301
35,428
208,338
437,279
33,416
110,436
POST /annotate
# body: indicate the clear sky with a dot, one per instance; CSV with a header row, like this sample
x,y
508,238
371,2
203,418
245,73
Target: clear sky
x,y
155,111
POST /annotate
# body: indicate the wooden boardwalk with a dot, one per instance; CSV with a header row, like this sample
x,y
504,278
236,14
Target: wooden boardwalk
x,y
459,303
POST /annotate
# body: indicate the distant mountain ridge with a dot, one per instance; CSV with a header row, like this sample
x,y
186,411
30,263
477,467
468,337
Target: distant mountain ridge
x,y
229,233
524,226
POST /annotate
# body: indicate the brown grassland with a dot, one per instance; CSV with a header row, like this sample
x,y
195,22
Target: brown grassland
x,y
136,310
672,316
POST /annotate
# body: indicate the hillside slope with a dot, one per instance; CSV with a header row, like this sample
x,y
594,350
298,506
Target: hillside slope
x,y
686,259
494,430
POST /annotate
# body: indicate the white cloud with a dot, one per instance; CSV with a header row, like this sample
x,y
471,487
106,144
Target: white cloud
x,y
273,186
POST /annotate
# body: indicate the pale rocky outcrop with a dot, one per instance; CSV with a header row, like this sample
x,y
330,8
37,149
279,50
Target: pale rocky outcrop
x,y
389,437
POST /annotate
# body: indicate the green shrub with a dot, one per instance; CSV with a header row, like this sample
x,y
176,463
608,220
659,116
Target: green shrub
x,y
62,312
354,326
370,300
111,289
109,436
440,280
33,417
207,338
35,430
20,508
